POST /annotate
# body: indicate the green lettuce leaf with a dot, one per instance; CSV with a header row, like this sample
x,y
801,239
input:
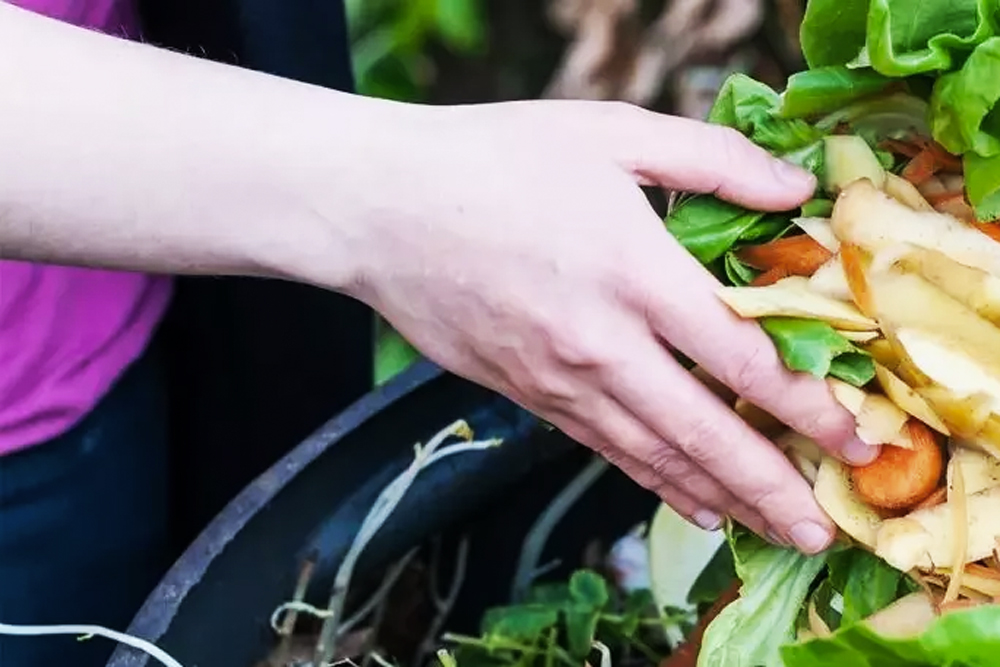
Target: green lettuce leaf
x,y
814,347
776,581
896,38
982,185
828,89
963,104
968,638
708,228
752,108
906,37
866,583
737,272
833,31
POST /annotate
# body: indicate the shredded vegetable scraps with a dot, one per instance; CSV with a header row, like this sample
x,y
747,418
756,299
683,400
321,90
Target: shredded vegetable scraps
x,y
960,532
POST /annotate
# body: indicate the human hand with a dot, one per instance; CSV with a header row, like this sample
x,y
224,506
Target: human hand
x,y
525,257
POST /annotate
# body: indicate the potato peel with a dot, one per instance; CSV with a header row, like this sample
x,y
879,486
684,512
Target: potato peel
x,y
835,493
908,400
791,297
924,538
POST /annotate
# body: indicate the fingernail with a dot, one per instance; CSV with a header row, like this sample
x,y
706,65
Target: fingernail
x,y
707,520
810,537
859,453
793,175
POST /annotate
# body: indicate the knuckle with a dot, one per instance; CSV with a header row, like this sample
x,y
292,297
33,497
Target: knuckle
x,y
700,441
769,502
754,374
582,347
665,462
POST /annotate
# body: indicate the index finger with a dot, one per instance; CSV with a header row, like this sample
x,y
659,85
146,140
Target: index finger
x,y
743,357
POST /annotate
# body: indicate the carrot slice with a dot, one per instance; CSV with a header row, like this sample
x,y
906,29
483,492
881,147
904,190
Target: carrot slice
x,y
900,478
991,229
770,277
799,255
922,167
854,261
900,147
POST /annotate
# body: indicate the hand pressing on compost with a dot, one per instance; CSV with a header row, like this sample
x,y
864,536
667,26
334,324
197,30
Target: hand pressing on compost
x,y
510,242
526,258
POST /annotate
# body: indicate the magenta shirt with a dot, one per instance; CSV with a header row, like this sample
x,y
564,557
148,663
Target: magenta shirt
x,y
66,334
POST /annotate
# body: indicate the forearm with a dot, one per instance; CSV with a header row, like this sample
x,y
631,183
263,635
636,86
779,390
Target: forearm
x,y
122,155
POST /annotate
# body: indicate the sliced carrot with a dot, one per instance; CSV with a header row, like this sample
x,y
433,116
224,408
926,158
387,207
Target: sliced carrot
x,y
855,262
991,229
770,277
799,255
900,478
947,161
900,147
921,167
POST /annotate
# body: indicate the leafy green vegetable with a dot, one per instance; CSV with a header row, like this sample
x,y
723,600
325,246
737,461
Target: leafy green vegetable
x,y
708,227
833,31
825,90
954,44
519,622
718,574
814,347
817,208
897,38
737,272
866,582
588,588
751,631
963,102
560,622
752,108
906,38
982,185
967,638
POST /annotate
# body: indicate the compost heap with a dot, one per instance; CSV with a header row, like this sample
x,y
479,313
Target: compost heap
x,y
887,283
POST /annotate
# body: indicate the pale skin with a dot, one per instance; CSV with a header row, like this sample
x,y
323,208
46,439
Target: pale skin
x,y
510,242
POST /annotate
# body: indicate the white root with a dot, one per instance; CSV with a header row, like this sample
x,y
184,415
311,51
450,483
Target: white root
x,y
85,631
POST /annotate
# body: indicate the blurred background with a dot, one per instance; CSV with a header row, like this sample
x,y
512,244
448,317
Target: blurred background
x,y
665,55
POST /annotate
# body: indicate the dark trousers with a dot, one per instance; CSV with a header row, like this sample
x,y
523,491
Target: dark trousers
x,y
83,524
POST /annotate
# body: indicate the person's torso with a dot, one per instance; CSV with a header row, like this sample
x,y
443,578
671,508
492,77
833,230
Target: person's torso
x,y
66,334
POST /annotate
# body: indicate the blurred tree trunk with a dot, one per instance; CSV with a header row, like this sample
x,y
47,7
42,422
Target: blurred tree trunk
x,y
525,49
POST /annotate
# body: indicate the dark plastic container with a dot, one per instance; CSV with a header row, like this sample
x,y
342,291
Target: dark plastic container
x,y
213,607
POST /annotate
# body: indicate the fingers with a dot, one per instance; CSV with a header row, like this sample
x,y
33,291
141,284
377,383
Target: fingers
x,y
740,354
692,156
659,466
679,409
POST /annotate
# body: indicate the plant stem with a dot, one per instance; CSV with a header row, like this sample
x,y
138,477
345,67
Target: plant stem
x,y
538,535
384,505
500,643
88,630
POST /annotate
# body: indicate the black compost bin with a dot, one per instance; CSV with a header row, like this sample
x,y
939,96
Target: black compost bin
x,y
213,607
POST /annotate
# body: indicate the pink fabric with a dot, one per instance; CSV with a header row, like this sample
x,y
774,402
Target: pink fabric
x,y
66,334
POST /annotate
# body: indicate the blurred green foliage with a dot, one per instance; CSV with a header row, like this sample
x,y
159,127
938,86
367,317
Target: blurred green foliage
x,y
392,44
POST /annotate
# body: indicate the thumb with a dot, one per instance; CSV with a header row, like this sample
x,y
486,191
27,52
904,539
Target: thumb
x,y
693,156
